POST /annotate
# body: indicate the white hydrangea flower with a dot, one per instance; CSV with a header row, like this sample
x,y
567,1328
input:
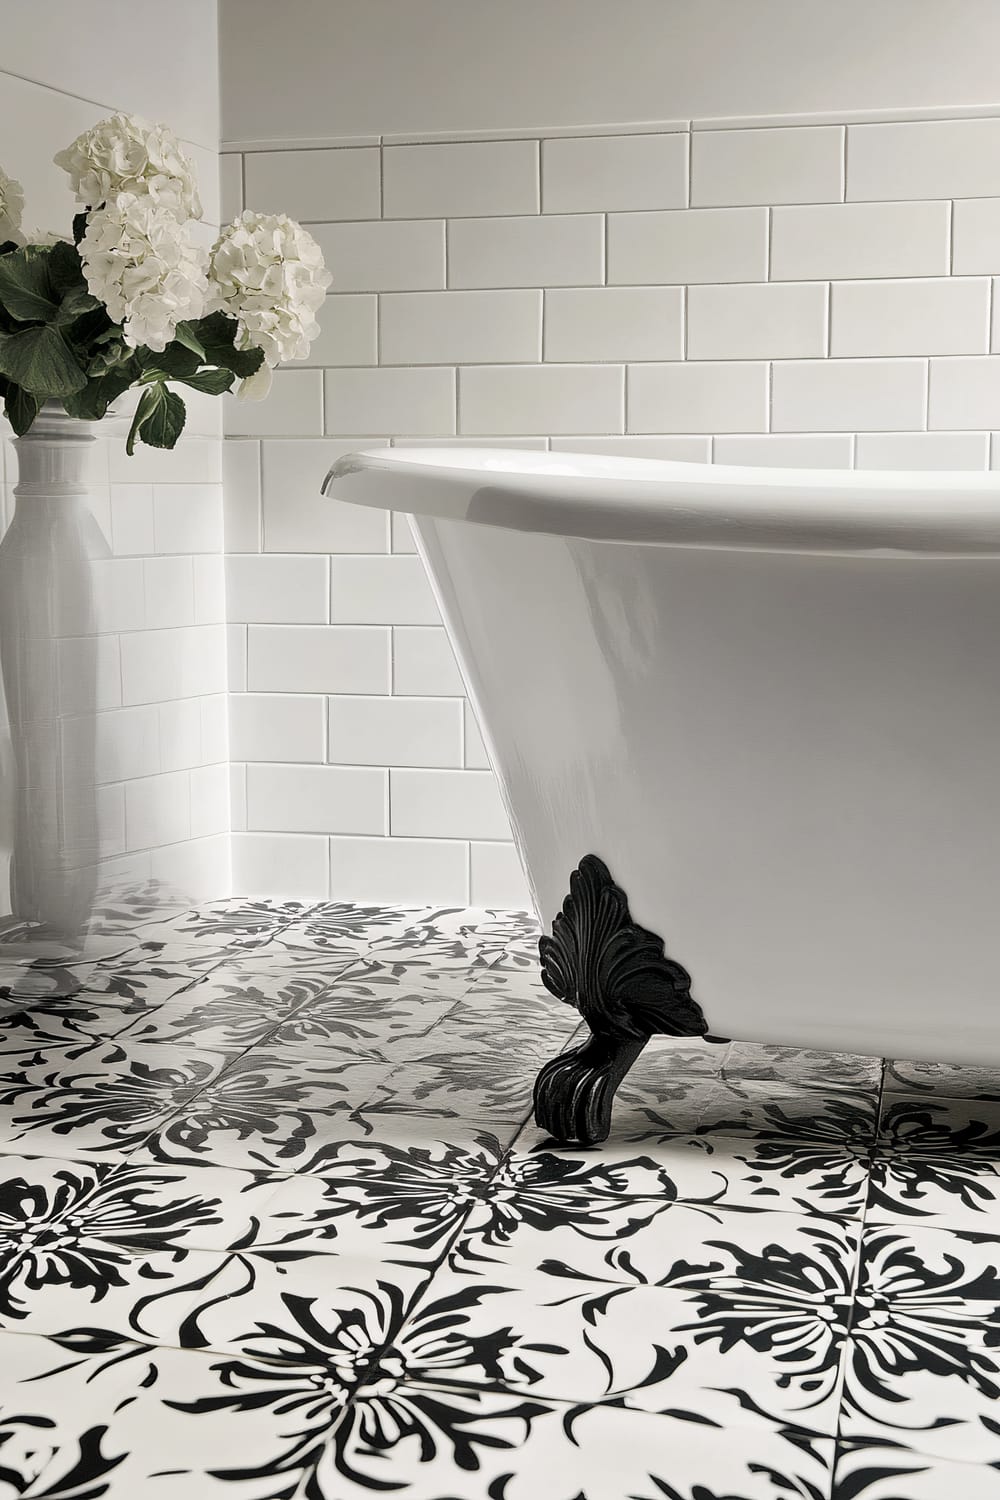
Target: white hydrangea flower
x,y
267,272
124,154
11,209
145,267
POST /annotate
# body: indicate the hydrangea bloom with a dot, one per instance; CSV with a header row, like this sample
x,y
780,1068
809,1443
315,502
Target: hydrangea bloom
x,y
123,154
267,272
11,209
145,267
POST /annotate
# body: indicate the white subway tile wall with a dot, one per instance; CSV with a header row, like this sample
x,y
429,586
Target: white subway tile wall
x,y
785,293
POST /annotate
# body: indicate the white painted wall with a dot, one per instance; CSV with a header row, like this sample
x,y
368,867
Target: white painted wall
x,y
320,68
160,643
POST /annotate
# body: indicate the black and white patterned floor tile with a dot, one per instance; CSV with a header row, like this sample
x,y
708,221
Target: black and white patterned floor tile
x,y
272,1166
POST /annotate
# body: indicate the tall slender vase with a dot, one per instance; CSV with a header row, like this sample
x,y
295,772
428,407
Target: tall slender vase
x,y
49,678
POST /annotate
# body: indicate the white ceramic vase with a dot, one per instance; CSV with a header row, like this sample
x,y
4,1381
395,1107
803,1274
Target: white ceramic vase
x,y
49,679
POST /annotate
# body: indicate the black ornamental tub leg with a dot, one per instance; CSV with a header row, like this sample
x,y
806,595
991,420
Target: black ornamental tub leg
x,y
618,977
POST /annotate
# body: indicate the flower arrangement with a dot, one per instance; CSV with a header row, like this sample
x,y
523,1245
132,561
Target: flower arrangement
x,y
135,299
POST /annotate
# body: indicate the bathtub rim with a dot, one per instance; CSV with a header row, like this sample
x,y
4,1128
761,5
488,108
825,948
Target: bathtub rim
x,y
662,502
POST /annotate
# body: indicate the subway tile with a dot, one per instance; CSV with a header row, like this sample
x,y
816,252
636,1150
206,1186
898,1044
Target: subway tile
x,y
201,653
585,174
446,804
386,401
195,460
848,395
976,236
105,596
460,179
395,731
348,331
231,186
236,658
122,743
214,727
614,323
381,591
297,518
241,495
817,450
848,240
409,872
763,321
541,398
318,659
209,589
188,518
89,674
690,245
797,165
697,398
109,811
995,316
209,801
237,798
277,726
536,443
180,734
697,449
922,450
389,255
157,810
428,328
287,867
294,408
333,185
423,663
965,393
270,590
402,535
565,250
199,867
150,666
924,159
169,588
132,519
946,316
475,757
316,799
497,879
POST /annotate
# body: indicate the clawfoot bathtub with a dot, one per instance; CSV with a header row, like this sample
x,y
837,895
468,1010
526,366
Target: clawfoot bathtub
x,y
755,713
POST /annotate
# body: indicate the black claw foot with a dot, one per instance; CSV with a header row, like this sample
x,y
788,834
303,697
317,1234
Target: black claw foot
x,y
618,977
575,1091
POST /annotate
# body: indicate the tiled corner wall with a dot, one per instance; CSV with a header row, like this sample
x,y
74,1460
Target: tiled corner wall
x,y
807,291
159,722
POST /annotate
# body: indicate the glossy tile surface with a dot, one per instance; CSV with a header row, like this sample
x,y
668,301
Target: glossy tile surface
x,y
273,1167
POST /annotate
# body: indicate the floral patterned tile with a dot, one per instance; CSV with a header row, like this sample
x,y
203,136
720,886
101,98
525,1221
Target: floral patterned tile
x,y
172,1424
457,1089
733,1171
266,1305
58,1108
37,1192
760,1061
932,1279
952,1080
950,1191
268,1112
362,1017
887,1471
924,1124
431,1442
650,1348
637,1241
703,1104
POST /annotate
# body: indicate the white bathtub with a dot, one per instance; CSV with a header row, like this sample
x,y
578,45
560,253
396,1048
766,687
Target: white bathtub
x,y
769,701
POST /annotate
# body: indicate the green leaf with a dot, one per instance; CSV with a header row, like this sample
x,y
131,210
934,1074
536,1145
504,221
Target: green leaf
x,y
26,288
159,419
79,227
164,425
216,334
41,360
91,404
20,409
213,382
184,334
8,246
176,361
